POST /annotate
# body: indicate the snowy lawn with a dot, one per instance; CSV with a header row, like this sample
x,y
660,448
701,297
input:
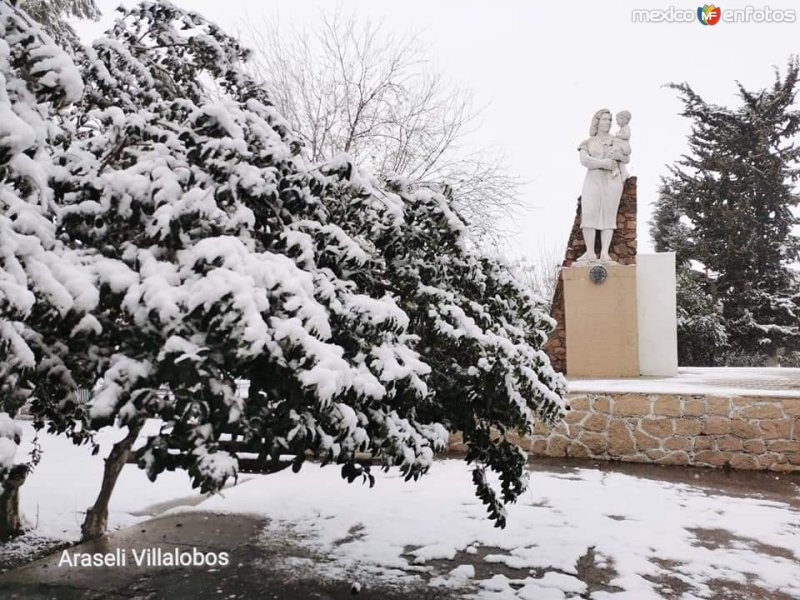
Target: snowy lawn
x,y
582,532
66,483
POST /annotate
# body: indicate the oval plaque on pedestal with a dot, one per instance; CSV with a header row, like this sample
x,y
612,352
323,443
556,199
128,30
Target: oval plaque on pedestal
x,y
598,274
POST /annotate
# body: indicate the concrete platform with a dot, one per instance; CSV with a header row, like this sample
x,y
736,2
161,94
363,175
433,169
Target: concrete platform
x,y
777,382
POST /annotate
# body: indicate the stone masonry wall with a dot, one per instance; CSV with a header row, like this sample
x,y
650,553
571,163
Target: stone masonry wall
x,y
623,250
732,432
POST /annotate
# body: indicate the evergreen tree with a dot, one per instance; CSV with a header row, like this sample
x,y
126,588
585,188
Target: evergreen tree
x,y
43,287
669,232
735,190
51,16
701,331
359,313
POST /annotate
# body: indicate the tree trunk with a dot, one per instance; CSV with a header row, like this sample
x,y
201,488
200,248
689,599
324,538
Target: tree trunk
x,y
96,521
10,518
772,358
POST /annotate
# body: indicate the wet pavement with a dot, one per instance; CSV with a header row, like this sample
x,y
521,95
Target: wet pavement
x,y
784,487
253,569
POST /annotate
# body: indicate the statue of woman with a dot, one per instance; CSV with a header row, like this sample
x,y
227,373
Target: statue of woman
x,y
602,187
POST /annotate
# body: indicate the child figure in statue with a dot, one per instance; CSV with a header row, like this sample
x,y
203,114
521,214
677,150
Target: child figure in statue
x,y
622,143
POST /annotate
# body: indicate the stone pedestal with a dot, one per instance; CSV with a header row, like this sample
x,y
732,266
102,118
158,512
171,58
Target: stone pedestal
x,y
601,319
623,250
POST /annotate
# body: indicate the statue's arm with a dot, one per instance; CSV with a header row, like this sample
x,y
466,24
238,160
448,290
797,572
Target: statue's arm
x,y
593,163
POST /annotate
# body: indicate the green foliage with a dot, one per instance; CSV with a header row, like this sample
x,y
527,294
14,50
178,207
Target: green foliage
x,y
726,208
40,288
357,312
701,331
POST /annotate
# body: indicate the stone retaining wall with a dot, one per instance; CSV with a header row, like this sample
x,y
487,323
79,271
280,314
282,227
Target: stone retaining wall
x,y
709,431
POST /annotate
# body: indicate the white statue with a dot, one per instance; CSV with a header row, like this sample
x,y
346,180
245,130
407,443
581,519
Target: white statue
x,y
604,157
622,142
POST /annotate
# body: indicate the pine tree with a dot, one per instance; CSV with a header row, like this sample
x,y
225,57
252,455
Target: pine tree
x,y
669,232
701,331
735,189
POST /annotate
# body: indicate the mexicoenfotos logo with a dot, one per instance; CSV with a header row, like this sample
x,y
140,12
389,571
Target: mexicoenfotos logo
x,y
709,15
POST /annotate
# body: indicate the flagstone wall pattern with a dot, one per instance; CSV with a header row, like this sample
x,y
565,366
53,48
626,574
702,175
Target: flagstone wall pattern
x,y
709,431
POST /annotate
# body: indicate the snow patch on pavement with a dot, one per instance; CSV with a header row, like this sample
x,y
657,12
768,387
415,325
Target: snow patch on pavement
x,y
644,529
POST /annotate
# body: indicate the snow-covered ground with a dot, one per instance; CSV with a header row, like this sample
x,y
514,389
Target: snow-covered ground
x,y
647,534
637,526
775,382
67,480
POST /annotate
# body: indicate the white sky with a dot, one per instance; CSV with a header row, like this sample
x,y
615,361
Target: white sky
x,y
543,69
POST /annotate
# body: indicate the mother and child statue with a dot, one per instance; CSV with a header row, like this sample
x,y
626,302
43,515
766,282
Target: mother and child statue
x,y
604,156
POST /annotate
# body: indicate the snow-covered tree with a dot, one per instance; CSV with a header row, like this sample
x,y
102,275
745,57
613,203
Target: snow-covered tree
x,y
51,16
473,325
360,314
43,287
702,338
734,195
669,228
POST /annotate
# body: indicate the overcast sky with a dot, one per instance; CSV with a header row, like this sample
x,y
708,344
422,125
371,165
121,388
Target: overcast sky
x,y
543,69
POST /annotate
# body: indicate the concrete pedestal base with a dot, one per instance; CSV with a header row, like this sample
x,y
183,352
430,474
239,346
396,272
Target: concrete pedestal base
x,y
658,322
601,322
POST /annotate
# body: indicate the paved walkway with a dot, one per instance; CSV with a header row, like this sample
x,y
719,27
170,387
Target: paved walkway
x,y
251,572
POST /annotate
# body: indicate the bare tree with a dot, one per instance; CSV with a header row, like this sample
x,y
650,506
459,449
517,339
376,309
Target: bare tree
x,y
351,86
540,273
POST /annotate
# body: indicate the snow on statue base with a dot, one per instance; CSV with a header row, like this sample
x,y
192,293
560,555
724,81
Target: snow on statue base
x,y
615,317
601,321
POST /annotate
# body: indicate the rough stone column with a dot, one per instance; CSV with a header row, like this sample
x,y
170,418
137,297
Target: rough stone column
x,y
623,250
